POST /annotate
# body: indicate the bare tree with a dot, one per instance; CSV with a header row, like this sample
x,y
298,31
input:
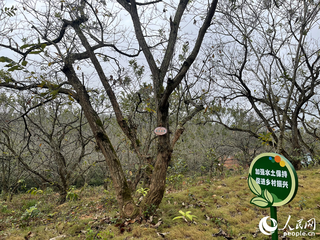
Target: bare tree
x,y
268,56
85,32
50,142
12,173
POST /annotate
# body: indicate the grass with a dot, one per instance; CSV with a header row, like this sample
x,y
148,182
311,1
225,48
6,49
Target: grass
x,y
221,206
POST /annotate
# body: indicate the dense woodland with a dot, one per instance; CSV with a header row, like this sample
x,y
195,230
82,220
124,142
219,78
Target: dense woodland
x,y
83,84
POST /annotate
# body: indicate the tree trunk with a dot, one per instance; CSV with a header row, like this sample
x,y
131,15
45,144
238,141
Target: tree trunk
x,y
158,179
297,151
5,182
126,203
62,197
296,164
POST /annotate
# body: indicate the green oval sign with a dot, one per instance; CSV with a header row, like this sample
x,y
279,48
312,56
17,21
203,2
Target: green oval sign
x,y
273,179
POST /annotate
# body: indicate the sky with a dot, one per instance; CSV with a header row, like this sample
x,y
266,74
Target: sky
x,y
164,8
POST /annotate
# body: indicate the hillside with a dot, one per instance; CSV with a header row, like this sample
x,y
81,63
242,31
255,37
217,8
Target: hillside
x,y
220,207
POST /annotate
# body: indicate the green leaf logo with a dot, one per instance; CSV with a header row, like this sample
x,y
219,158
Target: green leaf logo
x,y
268,196
275,198
254,186
260,202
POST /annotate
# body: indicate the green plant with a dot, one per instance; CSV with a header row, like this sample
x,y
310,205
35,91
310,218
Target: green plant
x,y
203,169
48,190
106,183
51,215
71,194
230,229
22,184
191,179
105,235
239,169
35,191
4,208
150,210
114,220
208,180
175,180
180,166
265,138
90,234
217,221
109,199
186,216
29,204
143,191
31,212
302,203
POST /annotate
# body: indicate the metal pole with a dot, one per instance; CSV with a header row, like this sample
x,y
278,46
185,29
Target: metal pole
x,y
273,212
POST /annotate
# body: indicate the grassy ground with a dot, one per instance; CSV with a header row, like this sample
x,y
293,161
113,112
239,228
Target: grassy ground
x,y
221,207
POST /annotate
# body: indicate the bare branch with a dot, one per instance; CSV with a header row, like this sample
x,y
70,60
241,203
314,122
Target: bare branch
x,y
188,62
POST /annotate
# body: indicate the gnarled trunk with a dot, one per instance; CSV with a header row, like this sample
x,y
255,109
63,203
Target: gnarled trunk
x,y
158,178
123,192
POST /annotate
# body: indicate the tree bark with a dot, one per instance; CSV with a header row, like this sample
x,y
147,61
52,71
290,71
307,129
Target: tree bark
x,y
126,203
158,178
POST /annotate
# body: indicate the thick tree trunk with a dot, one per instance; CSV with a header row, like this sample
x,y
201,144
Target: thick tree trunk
x,y
158,179
296,156
126,203
296,164
62,197
297,151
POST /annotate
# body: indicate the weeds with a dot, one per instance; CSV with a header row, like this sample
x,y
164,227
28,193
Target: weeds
x,y
105,235
215,204
4,208
71,194
175,180
29,204
90,234
48,191
143,191
302,203
150,211
31,212
109,200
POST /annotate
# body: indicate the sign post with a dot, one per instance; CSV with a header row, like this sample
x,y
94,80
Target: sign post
x,y
274,181
273,214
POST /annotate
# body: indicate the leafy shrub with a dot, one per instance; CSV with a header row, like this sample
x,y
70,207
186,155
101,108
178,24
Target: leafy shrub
x,y
29,204
71,194
31,212
4,208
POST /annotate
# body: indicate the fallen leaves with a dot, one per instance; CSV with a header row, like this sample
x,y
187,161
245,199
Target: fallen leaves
x,y
162,234
124,226
58,237
223,234
28,236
